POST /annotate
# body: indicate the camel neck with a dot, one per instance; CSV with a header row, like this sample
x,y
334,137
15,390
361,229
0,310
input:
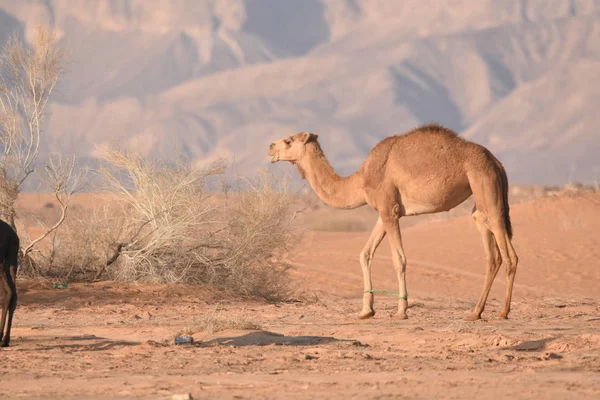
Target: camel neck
x,y
336,191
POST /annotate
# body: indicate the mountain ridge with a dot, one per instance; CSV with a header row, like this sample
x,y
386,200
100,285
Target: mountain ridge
x,y
224,78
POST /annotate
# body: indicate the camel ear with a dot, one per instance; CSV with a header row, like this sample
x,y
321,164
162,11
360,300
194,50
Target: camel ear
x,y
307,137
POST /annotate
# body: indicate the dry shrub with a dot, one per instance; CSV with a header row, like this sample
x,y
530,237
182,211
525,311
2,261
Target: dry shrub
x,y
176,229
168,223
82,245
166,213
258,230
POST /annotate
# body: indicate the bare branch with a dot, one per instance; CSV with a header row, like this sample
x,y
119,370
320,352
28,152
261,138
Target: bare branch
x,y
63,214
64,181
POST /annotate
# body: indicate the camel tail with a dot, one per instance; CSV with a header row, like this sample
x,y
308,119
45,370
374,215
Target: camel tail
x,y
504,184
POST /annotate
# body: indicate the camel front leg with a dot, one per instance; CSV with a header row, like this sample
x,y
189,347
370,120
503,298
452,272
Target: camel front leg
x,y
12,305
366,257
392,227
5,300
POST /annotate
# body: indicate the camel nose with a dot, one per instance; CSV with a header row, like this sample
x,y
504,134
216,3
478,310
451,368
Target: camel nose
x,y
271,145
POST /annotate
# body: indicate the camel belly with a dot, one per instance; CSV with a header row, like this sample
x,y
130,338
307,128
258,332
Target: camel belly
x,y
416,202
410,208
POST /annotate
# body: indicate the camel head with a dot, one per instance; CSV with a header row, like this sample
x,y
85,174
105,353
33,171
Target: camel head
x,y
291,148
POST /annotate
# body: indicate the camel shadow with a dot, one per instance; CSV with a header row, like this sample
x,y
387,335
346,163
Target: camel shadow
x,y
265,338
78,343
532,345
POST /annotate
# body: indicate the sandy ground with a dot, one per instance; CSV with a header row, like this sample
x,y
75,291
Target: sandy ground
x,y
111,340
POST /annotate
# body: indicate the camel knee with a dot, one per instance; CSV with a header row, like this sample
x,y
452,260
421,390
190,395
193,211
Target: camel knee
x,y
514,259
510,265
497,261
365,258
493,264
496,258
401,264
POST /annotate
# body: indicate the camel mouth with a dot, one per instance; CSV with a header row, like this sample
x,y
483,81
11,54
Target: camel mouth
x,y
274,158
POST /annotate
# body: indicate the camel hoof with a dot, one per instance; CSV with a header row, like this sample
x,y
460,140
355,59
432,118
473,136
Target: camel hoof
x,y
366,315
503,315
473,317
400,316
4,345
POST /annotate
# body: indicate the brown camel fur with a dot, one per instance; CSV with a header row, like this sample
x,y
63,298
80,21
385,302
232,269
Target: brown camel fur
x,y
9,252
427,170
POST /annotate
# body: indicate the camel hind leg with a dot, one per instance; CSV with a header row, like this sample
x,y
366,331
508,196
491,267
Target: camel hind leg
x,y
510,260
491,199
493,263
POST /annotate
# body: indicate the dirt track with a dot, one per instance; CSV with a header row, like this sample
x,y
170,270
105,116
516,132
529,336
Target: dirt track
x,y
113,340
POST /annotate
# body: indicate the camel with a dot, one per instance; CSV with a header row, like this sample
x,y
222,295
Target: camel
x,y
9,253
427,170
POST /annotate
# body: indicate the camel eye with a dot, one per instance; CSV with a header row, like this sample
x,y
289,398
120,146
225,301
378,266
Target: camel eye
x,y
287,141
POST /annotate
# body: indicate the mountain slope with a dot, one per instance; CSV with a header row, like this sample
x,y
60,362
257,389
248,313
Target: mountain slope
x,y
226,77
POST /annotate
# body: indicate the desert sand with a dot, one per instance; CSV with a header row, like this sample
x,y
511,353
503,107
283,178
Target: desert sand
x,y
115,340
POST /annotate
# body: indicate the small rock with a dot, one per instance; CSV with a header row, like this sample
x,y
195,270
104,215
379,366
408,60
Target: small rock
x,y
309,357
552,356
184,339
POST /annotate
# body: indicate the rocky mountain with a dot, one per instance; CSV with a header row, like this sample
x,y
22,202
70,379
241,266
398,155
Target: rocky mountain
x,y
218,78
